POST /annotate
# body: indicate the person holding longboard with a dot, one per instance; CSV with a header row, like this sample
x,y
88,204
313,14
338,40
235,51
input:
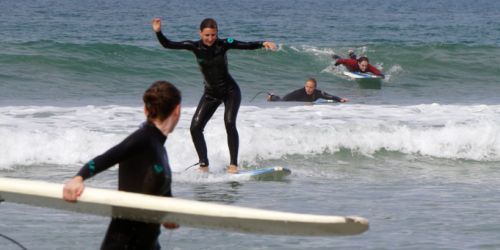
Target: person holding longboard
x,y
220,87
143,167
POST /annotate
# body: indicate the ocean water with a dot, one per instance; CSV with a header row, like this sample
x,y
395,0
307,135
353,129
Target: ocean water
x,y
418,155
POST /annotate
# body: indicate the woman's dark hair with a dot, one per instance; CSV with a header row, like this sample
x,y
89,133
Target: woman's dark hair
x,y
363,58
208,23
160,100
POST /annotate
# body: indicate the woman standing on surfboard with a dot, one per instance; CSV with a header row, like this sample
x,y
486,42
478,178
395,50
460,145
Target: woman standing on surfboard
x,y
143,167
220,87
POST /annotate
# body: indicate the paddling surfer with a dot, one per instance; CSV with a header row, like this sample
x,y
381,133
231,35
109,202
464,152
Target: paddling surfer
x,y
309,93
362,64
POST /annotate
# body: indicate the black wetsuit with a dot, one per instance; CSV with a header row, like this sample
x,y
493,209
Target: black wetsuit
x,y
220,87
143,168
300,95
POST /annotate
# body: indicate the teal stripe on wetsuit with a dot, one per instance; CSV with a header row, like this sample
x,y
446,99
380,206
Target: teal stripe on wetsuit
x,y
91,165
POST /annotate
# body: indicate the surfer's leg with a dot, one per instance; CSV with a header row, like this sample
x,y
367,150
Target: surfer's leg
x,y
351,54
117,235
232,105
206,108
127,234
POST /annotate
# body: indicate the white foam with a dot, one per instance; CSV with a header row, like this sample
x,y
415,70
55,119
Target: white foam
x,y
55,135
392,72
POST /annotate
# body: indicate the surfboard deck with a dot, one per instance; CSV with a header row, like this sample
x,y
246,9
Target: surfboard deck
x,y
155,209
365,81
265,174
359,75
324,101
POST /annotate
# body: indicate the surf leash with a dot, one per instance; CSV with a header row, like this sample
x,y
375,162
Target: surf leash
x,y
258,93
14,241
198,163
168,238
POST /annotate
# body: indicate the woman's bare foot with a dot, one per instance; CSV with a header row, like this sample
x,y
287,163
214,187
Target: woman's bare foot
x,y
203,169
232,169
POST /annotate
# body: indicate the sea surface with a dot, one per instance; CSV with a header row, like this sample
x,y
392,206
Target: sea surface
x,y
417,154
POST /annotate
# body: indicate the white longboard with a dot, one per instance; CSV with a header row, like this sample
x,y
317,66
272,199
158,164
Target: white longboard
x,y
197,214
359,75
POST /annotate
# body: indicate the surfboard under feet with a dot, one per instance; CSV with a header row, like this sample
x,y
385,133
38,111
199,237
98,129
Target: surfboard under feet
x,y
266,174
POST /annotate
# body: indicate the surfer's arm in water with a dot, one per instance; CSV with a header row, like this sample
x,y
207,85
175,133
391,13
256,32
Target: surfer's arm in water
x,y
326,96
271,97
296,95
374,70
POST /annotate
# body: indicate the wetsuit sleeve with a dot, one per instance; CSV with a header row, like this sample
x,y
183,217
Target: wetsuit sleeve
x,y
294,96
374,70
118,153
166,43
327,96
234,44
341,61
275,98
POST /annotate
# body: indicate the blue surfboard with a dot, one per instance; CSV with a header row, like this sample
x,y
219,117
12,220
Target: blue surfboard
x,y
365,80
265,174
323,101
359,75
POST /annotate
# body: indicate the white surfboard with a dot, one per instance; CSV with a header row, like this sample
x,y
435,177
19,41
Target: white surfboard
x,y
265,174
359,75
191,213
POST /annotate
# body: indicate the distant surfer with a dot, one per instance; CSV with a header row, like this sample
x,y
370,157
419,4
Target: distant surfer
x,y
220,87
308,93
361,64
142,167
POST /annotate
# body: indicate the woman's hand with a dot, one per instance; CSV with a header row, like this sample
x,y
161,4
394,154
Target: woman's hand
x,y
73,189
269,45
171,225
156,24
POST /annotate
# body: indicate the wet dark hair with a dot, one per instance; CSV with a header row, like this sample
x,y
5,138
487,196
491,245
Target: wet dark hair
x,y
160,100
312,79
363,58
208,23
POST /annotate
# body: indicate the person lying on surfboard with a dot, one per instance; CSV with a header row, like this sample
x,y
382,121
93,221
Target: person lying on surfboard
x,y
142,168
361,64
308,93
